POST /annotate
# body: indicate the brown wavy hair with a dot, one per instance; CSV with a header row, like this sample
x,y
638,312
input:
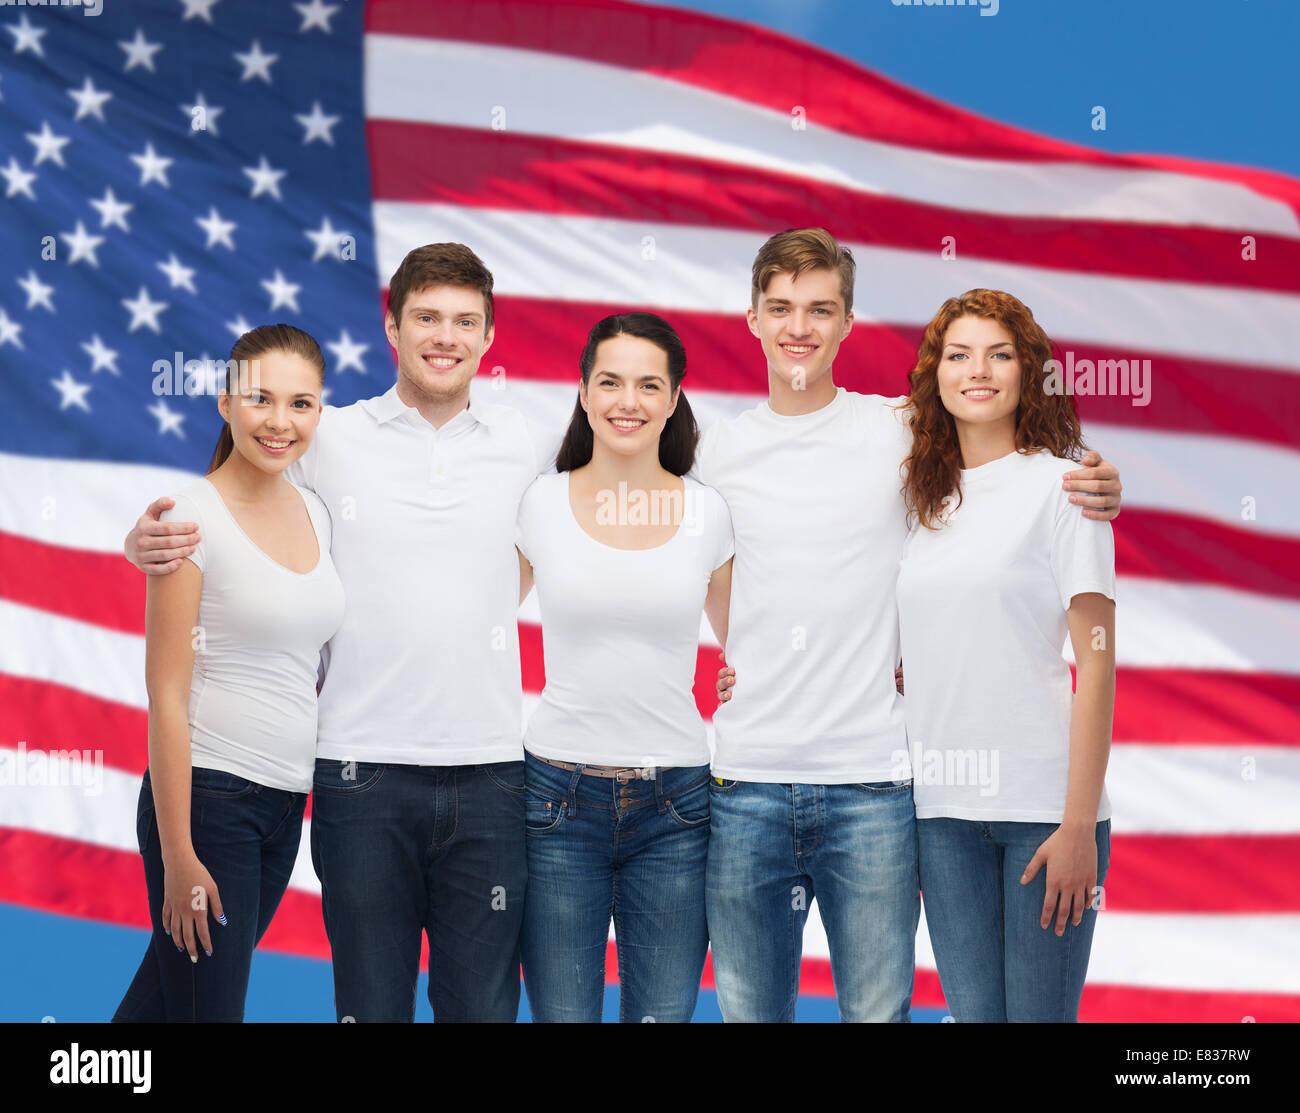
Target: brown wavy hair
x,y
932,470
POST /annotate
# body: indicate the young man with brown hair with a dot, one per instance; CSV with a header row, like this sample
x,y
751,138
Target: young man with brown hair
x,y
418,816
806,798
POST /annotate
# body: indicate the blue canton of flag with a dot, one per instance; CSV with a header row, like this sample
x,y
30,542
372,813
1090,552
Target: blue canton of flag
x,y
174,173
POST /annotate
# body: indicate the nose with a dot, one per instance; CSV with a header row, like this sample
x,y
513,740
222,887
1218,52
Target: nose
x,y
627,400
799,323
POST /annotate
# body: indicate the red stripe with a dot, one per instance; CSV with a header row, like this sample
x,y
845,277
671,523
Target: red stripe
x,y
99,588
50,874
530,173
541,338
1204,873
740,60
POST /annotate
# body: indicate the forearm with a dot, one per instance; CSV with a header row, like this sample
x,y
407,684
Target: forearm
x,y
1090,727
169,774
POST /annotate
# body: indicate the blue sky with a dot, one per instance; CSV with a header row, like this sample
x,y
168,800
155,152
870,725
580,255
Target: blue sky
x,y
1201,79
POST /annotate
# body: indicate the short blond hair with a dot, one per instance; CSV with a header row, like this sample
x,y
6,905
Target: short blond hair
x,y
803,249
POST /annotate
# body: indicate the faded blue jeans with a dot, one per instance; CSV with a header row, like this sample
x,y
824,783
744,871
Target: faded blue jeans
x,y
772,848
995,962
635,853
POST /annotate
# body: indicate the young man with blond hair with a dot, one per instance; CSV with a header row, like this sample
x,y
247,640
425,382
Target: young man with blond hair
x,y
805,796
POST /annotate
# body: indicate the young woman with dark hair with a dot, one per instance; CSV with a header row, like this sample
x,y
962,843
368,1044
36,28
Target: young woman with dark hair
x,y
232,648
1013,821
626,550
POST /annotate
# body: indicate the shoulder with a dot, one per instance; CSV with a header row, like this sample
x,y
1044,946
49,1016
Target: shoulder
x,y
706,505
315,504
193,503
543,489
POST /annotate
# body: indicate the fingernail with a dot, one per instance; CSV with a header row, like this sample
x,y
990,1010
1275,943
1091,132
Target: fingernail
x,y
222,919
1074,498
168,931
194,958
208,953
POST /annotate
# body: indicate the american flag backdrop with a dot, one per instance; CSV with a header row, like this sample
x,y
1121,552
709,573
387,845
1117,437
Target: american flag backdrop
x,y
175,171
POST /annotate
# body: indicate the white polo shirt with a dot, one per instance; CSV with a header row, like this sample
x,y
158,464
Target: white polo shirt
x,y
819,522
425,668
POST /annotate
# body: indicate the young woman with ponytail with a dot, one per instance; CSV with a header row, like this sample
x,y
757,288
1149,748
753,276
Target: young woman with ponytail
x,y
232,649
625,550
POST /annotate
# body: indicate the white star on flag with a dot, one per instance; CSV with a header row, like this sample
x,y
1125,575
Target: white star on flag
x,y
169,421
153,167
10,331
139,52
111,210
218,230
144,312
317,125
90,101
204,114
83,244
265,179
177,274
37,292
282,291
238,326
101,356
316,14
73,393
255,63
27,37
347,353
198,9
47,144
18,179
326,239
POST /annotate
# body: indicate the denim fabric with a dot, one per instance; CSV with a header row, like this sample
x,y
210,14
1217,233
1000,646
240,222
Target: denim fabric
x,y
995,962
636,852
247,837
402,850
772,848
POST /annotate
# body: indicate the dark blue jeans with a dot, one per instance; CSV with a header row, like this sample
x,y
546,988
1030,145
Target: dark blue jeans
x,y
632,852
403,850
247,836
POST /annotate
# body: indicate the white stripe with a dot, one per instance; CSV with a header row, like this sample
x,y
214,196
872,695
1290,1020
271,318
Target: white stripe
x,y
77,503
602,260
1184,951
464,84
1198,475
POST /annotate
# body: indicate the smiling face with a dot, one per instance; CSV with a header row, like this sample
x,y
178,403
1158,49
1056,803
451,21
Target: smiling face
x,y
628,395
440,340
275,409
979,373
800,322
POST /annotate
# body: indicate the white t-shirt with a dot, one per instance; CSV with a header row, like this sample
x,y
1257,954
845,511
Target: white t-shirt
x,y
813,634
252,705
982,608
621,631
425,669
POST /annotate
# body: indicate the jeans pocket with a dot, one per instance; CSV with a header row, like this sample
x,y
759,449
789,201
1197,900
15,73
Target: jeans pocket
x,y
881,788
218,784
691,807
507,776
335,777
720,785
542,813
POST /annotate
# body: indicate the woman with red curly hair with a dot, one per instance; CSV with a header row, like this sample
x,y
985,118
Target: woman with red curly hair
x,y
1013,821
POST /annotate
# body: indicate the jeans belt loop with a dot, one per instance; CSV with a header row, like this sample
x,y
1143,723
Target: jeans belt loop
x,y
660,805
575,778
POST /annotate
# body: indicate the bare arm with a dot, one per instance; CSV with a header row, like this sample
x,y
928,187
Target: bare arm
x,y
171,615
525,576
1070,853
157,547
1096,487
717,603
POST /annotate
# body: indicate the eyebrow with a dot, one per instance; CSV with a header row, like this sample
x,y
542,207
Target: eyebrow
x,y
252,388
999,344
642,379
818,303
433,312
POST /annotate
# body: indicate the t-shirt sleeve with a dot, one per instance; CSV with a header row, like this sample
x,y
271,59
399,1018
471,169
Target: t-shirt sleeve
x,y
546,445
725,538
187,510
526,520
321,516
1083,553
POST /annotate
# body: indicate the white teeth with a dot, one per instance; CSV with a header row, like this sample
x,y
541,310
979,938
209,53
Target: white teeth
x,y
443,363
797,351
273,444
979,393
626,423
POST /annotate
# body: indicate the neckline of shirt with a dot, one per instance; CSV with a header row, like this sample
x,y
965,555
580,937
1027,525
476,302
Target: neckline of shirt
x,y
833,406
995,468
320,548
568,505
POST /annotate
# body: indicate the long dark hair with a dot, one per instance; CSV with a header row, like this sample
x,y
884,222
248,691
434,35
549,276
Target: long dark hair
x,y
677,441
257,342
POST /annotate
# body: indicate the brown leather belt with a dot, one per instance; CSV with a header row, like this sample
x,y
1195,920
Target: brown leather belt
x,y
621,773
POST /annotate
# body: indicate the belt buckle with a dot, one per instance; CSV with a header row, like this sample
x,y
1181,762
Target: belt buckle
x,y
638,773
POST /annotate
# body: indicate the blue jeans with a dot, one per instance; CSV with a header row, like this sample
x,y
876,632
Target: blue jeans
x,y
247,837
995,962
636,852
402,850
773,847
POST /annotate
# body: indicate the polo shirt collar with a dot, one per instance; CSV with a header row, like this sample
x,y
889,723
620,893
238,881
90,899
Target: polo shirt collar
x,y
389,406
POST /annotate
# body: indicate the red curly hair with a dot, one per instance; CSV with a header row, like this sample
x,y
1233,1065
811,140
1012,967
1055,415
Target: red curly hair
x,y
1043,420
